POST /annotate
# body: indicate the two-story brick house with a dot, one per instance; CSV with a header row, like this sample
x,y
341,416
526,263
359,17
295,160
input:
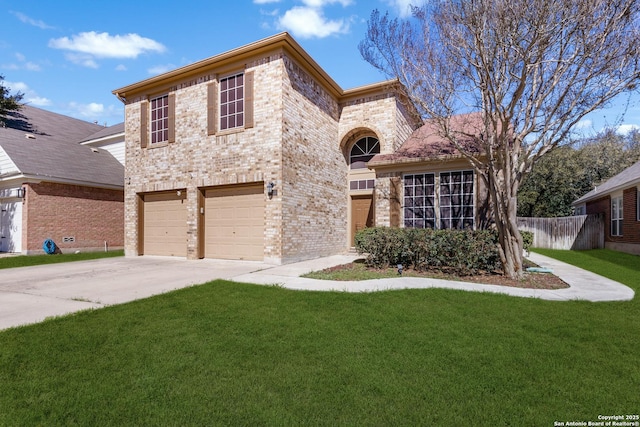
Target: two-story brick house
x,y
256,154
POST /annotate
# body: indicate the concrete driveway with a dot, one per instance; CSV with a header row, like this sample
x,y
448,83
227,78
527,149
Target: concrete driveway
x,y
32,294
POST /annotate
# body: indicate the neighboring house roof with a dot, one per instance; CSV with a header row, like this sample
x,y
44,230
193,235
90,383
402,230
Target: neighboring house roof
x,y
105,132
427,143
42,145
627,178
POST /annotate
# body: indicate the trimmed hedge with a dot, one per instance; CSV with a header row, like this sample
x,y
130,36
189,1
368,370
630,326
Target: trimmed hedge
x,y
462,252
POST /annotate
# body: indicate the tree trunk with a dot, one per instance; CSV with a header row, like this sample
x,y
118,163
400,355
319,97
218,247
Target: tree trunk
x,y
505,217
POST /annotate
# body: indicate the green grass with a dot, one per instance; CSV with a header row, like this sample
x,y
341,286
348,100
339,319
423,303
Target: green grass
x,y
29,260
619,266
236,354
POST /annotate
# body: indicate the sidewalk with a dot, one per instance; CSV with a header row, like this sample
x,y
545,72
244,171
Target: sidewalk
x,y
583,285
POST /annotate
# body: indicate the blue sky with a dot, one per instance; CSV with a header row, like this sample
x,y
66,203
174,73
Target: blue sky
x,y
68,55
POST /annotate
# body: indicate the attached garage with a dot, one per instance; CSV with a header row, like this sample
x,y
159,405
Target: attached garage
x,y
11,226
165,224
234,222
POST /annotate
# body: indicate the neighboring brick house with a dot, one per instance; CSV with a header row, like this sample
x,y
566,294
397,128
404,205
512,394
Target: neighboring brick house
x,y
52,187
619,201
256,154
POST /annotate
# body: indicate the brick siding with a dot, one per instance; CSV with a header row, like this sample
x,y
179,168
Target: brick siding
x,y
92,216
298,142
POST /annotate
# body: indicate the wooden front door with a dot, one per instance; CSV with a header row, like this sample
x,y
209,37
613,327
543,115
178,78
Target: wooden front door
x,y
361,214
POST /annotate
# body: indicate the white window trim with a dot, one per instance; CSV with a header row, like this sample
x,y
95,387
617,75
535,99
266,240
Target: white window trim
x,y
436,195
617,214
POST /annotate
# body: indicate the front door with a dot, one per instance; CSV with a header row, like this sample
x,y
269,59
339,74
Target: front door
x,y
361,214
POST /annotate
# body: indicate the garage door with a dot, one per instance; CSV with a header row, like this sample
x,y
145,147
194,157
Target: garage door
x,y
165,224
234,222
11,226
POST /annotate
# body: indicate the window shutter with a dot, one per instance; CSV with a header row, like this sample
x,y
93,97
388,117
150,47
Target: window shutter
x,y
172,118
248,99
144,125
212,102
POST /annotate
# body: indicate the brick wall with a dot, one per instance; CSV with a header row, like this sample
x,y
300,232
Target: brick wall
x,y
630,223
91,216
296,142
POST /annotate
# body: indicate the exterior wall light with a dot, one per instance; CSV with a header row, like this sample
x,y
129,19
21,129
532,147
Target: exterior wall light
x,y
270,189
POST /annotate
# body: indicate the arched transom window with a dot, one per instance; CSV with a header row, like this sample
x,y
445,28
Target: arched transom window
x,y
363,151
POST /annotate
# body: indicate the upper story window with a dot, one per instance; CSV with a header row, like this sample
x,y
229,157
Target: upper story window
x,y
232,98
160,119
363,151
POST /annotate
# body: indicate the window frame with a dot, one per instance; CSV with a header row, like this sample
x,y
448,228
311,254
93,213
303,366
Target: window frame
x,y
159,120
368,152
617,215
430,211
225,101
462,196
427,188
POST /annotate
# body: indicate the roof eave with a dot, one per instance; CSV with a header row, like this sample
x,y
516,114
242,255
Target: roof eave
x,y
282,41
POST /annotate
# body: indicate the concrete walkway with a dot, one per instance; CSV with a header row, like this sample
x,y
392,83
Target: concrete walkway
x,y
32,294
584,285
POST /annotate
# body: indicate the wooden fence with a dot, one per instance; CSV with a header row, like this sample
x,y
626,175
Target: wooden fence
x,y
578,232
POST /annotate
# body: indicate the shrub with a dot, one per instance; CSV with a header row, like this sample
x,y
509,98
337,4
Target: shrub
x,y
462,252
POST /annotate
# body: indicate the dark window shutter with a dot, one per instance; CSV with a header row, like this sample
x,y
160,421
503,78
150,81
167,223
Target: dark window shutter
x,y
172,118
248,99
144,125
212,103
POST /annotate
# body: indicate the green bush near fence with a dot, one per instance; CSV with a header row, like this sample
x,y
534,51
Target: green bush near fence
x,y
462,252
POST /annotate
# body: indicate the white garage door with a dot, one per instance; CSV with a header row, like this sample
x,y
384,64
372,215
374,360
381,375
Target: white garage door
x,y
165,224
11,226
234,222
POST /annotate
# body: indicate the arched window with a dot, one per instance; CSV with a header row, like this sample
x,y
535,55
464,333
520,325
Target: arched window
x,y
363,151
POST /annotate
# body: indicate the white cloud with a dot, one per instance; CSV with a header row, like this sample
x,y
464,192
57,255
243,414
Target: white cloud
x,y
265,1
121,67
403,7
583,124
36,23
104,45
22,64
82,59
625,129
307,22
322,3
30,96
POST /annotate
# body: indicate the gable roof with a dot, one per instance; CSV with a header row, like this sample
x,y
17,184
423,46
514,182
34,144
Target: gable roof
x,y
44,145
427,144
627,178
105,132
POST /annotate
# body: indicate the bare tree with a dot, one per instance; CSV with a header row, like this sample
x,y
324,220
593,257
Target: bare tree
x,y
531,69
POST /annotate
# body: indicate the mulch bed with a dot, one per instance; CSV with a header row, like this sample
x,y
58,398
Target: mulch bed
x,y
530,280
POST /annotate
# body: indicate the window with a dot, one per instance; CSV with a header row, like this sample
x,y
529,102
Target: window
x,y
452,208
232,102
456,200
419,201
160,119
616,216
638,204
362,184
363,151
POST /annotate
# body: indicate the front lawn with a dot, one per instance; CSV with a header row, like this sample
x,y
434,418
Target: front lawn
x,y
30,260
237,354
